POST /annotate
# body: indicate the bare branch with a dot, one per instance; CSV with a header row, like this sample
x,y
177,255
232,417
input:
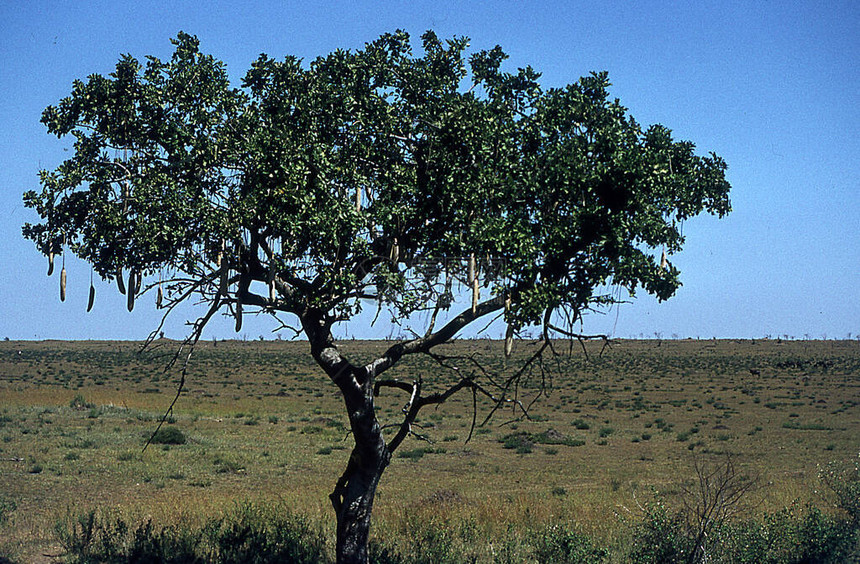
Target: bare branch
x,y
607,342
188,343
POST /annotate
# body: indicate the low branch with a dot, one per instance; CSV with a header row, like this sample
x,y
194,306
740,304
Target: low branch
x,y
188,343
417,402
424,344
607,342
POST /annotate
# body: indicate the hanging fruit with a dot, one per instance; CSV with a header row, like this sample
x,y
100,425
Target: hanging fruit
x,y
63,284
119,282
132,285
92,299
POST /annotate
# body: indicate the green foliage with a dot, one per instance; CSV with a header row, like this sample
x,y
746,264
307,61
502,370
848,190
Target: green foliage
x,y
169,436
844,480
581,424
660,537
561,545
255,534
7,507
247,534
272,533
362,174
794,535
418,453
80,403
427,540
522,442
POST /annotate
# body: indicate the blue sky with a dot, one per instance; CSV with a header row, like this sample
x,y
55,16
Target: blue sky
x,y
772,87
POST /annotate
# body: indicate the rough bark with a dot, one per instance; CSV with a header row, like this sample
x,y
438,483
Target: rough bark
x,y
353,495
352,500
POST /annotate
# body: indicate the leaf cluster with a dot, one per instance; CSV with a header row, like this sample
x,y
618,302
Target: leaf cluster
x,y
374,175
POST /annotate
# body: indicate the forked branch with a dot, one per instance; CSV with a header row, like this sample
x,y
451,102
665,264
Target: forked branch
x,y
417,402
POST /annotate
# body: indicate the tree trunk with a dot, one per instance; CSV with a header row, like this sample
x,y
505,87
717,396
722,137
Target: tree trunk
x,y
354,492
353,503
353,495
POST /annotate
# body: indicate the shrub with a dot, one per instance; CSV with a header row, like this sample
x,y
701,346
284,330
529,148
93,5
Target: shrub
x,y
581,424
791,536
80,403
427,540
844,481
520,441
417,453
256,534
248,534
168,436
659,538
561,545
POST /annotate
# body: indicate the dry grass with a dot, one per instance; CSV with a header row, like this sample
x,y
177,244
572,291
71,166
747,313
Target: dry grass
x,y
261,423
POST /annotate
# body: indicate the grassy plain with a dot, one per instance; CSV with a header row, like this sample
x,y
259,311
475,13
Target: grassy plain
x,y
262,423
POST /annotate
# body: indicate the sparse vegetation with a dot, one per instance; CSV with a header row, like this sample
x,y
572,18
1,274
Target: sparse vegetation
x,y
502,510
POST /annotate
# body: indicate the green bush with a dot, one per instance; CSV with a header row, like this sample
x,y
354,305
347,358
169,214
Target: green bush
x,y
80,403
168,436
170,545
843,479
257,535
248,534
561,545
423,540
660,537
794,535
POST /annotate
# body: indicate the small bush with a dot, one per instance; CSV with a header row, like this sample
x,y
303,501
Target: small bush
x,y
794,535
417,453
414,454
519,442
227,466
581,424
168,436
80,403
659,538
266,534
561,545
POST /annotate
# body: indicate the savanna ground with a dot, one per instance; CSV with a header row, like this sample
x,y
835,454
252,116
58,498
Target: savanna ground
x,y
613,433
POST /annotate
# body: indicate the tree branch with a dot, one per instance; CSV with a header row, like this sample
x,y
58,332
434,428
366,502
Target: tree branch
x,y
423,344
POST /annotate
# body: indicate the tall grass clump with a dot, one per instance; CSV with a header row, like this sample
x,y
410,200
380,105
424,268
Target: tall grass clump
x,y
261,534
249,534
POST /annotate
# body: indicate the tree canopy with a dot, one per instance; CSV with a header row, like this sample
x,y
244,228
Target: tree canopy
x,y
363,176
374,177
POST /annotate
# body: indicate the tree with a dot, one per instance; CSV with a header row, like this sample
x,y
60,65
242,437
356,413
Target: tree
x,y
370,177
